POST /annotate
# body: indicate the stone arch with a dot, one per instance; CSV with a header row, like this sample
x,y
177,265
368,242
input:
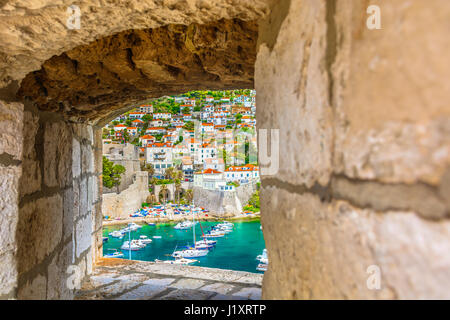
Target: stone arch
x,y
178,194
61,187
343,201
165,196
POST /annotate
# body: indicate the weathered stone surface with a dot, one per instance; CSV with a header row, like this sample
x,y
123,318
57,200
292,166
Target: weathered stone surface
x,y
143,292
87,159
112,279
68,203
8,273
249,293
11,122
392,122
219,288
83,230
356,110
340,242
9,210
188,284
76,158
159,281
186,294
57,154
58,276
109,74
117,288
305,145
25,51
39,230
34,290
31,176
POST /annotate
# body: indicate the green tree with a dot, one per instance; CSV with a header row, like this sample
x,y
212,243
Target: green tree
x,y
186,110
189,126
189,195
112,173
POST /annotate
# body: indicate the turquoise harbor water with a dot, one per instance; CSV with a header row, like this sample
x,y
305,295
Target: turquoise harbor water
x,y
235,251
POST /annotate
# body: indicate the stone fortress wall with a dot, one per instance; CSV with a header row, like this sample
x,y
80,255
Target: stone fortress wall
x,y
127,201
224,202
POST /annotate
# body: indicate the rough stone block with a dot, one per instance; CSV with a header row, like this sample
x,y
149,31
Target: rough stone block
x,y
83,197
69,216
57,154
340,242
39,230
30,180
11,124
87,158
187,294
249,293
31,177
8,273
83,237
188,284
9,210
76,158
34,290
159,282
58,275
221,288
143,292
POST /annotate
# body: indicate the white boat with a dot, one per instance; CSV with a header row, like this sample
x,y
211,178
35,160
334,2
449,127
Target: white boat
x,y
184,225
203,246
213,234
194,252
145,239
139,243
133,246
190,253
207,242
131,227
116,234
263,258
115,254
262,267
182,261
157,237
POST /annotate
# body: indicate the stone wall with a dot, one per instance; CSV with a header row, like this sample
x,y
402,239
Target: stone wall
x,y
363,181
129,200
224,202
129,159
50,202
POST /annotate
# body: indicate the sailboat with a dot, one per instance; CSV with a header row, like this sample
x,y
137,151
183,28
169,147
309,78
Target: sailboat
x,y
193,252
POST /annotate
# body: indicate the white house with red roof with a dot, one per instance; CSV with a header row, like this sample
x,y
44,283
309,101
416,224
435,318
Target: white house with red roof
x,y
146,140
120,127
136,115
132,130
209,179
162,115
146,108
160,156
155,130
137,123
242,173
207,127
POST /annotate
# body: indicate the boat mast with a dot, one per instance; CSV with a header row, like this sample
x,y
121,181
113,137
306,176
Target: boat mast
x,y
193,228
129,241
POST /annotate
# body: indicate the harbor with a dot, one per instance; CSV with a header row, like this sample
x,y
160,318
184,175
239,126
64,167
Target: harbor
x,y
236,249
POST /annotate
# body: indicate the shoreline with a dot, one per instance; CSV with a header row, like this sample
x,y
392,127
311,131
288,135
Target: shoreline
x,y
177,218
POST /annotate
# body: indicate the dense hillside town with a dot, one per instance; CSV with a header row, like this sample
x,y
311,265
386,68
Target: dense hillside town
x,y
206,139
